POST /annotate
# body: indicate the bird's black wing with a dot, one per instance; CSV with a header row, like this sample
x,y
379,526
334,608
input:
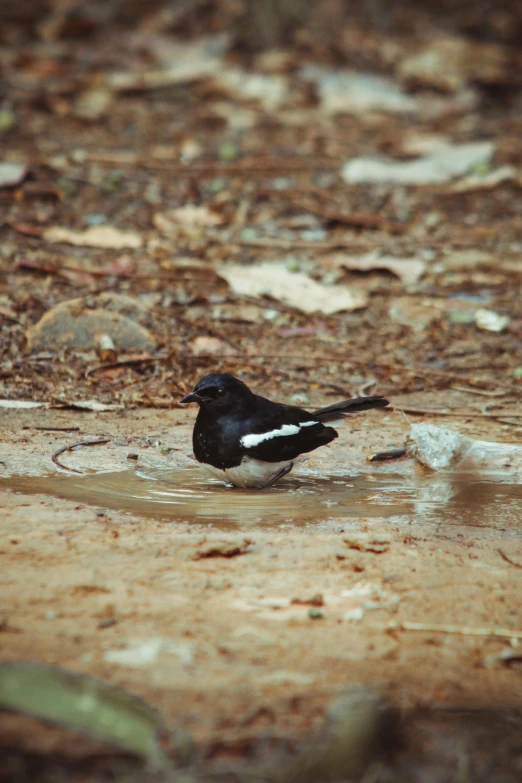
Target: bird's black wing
x,y
338,409
282,432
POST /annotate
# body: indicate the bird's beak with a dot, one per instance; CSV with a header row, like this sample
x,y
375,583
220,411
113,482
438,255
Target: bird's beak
x,y
192,397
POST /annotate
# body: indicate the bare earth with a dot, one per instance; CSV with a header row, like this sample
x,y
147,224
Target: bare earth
x,y
225,645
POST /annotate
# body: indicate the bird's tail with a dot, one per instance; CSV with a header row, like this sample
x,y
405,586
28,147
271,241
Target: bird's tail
x,y
338,409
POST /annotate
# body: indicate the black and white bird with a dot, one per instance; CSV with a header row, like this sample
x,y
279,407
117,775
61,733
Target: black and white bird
x,y
249,441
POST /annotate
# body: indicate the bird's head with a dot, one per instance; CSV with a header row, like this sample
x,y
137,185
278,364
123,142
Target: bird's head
x,y
219,393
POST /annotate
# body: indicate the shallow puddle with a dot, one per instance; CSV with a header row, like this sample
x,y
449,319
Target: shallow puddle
x,y
188,495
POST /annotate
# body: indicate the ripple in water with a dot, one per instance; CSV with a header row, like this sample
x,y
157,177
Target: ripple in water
x,y
189,495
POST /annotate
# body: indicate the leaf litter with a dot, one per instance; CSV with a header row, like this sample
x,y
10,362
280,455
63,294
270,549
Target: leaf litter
x,y
292,288
178,124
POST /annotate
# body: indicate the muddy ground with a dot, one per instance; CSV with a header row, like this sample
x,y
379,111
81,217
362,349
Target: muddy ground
x,y
243,627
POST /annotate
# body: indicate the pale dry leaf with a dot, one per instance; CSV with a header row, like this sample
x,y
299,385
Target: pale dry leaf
x,y
490,321
206,344
487,181
408,270
108,237
442,165
189,216
267,89
292,288
357,93
22,404
93,103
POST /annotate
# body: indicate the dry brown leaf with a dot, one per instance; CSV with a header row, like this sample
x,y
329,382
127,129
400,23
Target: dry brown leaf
x,y
292,288
108,237
222,548
365,543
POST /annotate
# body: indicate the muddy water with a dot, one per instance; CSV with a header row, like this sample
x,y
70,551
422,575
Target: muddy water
x,y
189,495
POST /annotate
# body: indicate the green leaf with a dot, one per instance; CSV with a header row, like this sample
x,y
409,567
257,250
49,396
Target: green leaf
x,y
82,703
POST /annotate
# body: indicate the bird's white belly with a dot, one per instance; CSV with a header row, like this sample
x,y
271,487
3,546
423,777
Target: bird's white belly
x,y
252,473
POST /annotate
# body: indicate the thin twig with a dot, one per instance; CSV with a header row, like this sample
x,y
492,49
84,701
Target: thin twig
x,y
462,414
289,244
51,429
248,165
508,559
406,625
59,451
128,362
481,392
355,219
381,456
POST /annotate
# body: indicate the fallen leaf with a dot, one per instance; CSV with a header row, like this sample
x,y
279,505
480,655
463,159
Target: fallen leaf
x,y
22,404
189,216
222,548
357,93
12,174
81,703
267,89
487,181
443,165
490,321
145,652
96,236
408,270
417,313
93,103
292,288
211,345
181,62
449,63
365,543
314,600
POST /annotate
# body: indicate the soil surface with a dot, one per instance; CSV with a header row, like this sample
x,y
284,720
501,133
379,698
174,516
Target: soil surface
x,y
212,626
153,159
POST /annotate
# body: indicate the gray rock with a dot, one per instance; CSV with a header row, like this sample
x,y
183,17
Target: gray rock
x,y
80,323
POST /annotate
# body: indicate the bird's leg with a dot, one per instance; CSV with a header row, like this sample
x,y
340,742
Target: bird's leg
x,y
278,476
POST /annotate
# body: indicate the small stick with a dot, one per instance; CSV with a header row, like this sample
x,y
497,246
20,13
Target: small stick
x,y
406,625
128,362
380,456
508,559
59,451
51,429
463,414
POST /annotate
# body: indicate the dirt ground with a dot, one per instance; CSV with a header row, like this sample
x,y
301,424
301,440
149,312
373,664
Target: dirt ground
x,y
244,631
235,656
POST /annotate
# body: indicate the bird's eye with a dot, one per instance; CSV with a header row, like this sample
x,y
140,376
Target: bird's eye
x,y
221,392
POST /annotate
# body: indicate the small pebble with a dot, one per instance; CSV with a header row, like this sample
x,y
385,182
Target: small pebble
x,y
460,317
228,152
112,181
7,120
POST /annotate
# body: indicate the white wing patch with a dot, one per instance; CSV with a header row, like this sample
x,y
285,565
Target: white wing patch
x,y
250,441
